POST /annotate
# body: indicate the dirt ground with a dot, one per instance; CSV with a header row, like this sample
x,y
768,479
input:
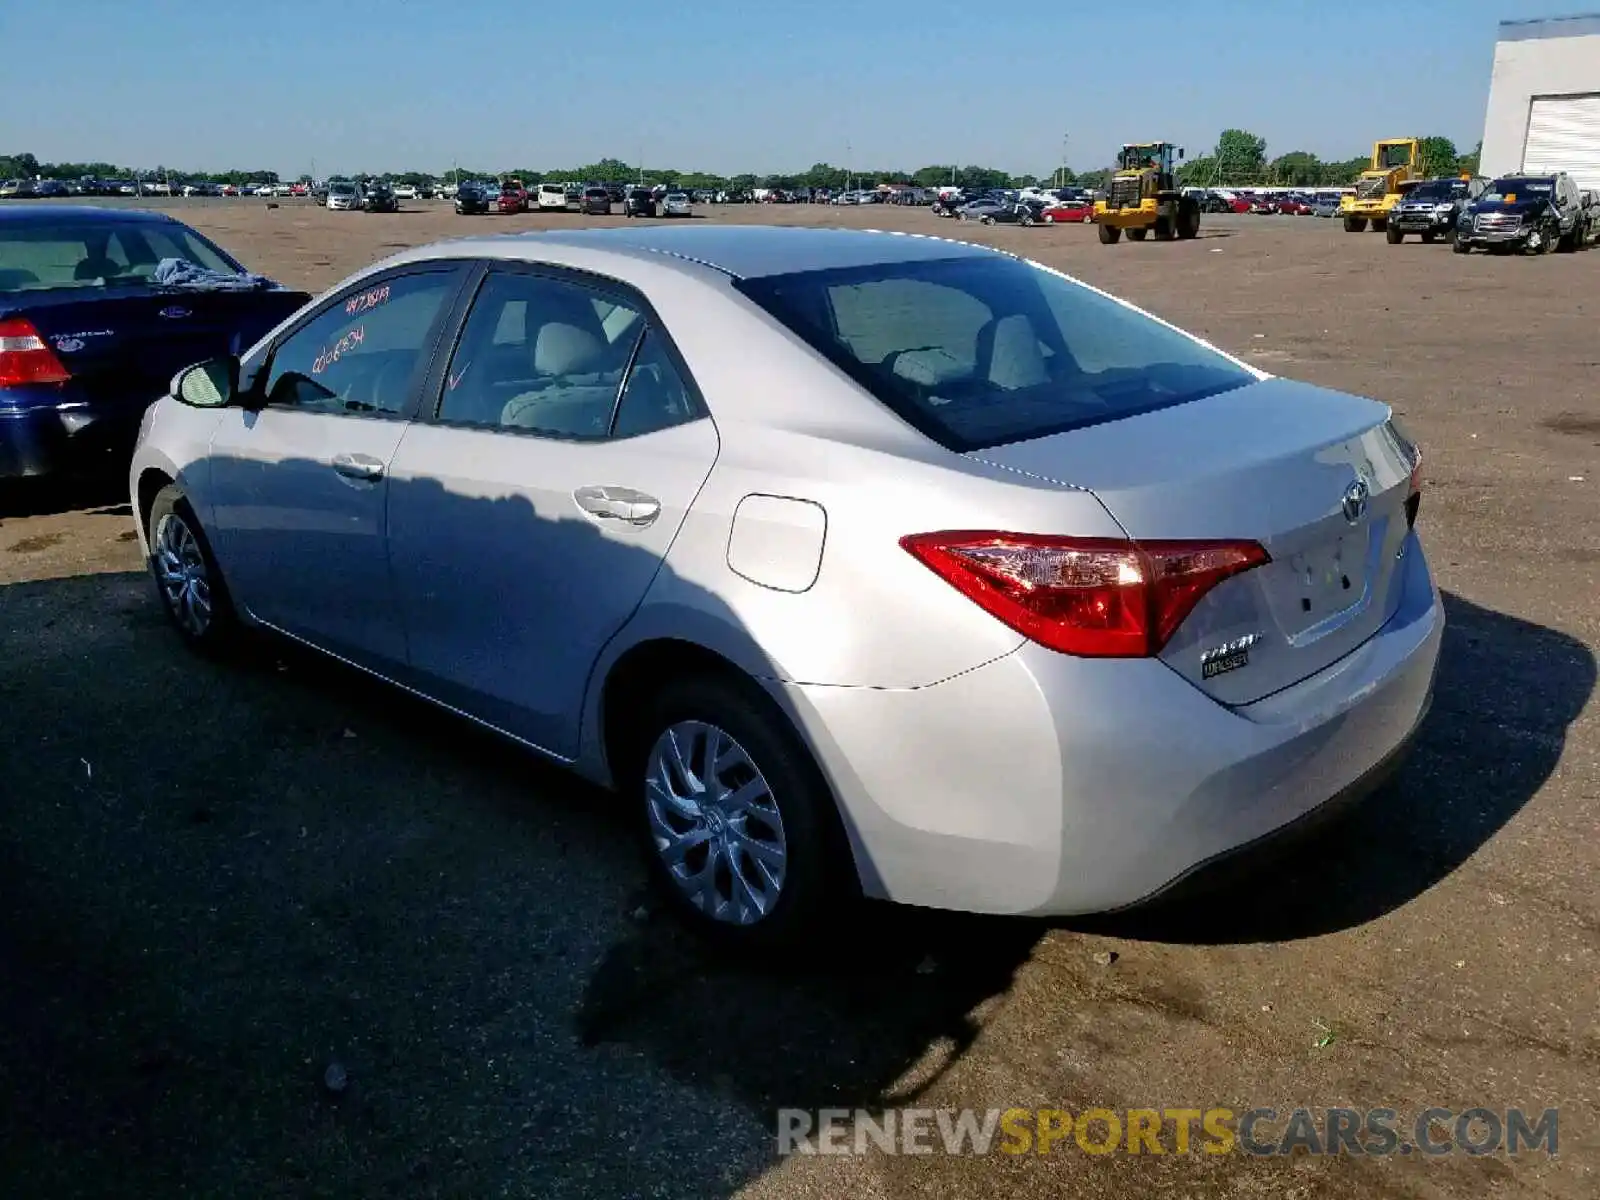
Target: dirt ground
x,y
217,880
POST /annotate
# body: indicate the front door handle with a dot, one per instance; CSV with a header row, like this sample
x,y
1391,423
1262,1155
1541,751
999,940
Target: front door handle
x,y
359,466
618,504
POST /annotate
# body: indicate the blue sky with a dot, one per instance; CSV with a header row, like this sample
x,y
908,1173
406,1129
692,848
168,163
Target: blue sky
x,y
732,85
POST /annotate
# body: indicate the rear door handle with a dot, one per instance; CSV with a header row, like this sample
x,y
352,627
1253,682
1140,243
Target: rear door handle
x,y
618,504
359,466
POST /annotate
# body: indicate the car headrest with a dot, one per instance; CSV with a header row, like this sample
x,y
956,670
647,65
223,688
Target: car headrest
x,y
1016,361
562,349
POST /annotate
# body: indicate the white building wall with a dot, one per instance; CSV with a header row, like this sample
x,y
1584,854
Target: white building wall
x,y
1557,57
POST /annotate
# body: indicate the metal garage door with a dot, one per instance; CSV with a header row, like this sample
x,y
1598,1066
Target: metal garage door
x,y
1564,135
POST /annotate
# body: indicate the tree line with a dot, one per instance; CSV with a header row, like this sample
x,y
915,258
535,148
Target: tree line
x,y
1239,159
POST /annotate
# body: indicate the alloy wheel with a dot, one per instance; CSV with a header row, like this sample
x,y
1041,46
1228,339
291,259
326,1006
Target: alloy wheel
x,y
181,572
715,823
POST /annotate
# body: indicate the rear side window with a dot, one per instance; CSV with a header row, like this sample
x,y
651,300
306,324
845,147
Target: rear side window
x,y
983,350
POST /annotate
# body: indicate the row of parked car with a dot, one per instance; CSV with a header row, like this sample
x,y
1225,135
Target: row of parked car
x,y
1006,206
1533,214
476,197
61,189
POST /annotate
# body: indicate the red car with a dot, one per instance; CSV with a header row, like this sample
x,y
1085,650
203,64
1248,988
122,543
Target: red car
x,y
1291,207
513,197
1062,213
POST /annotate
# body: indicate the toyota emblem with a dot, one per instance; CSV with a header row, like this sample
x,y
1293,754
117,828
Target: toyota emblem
x,y
1355,501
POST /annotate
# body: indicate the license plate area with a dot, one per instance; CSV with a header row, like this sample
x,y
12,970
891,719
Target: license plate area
x,y
1328,580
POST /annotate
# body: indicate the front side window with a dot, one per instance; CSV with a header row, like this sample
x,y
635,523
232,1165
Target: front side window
x,y
359,355
984,350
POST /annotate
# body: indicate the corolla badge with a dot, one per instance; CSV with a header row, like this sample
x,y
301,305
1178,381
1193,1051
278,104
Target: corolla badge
x,y
174,312
1355,501
1229,656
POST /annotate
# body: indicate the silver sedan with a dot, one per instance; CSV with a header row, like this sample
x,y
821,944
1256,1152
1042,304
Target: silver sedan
x,y
863,563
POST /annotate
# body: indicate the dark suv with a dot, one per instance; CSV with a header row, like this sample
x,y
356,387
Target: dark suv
x,y
596,202
640,202
1432,208
471,199
379,198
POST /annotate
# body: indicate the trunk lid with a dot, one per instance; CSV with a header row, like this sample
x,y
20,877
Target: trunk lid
x,y
124,345
1274,462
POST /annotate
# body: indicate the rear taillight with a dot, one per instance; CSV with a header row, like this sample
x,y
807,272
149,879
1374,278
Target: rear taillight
x,y
25,357
1093,597
1414,490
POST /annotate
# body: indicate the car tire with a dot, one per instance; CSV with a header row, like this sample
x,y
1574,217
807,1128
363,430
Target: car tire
x,y
986,220
1394,236
1110,235
1355,224
1047,219
1138,235
785,836
1427,237
188,581
1460,247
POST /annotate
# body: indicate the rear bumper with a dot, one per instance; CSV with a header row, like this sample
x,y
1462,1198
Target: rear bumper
x,y
1051,785
48,430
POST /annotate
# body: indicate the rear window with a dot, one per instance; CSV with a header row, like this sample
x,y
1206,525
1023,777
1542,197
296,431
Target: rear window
x,y
981,351
83,255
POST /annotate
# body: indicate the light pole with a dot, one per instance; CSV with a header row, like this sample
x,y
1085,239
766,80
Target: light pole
x,y
1063,182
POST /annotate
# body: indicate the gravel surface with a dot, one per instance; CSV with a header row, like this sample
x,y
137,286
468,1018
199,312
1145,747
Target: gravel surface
x,y
267,929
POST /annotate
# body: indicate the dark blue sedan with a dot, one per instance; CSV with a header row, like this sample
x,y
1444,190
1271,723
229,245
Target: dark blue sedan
x,y
98,309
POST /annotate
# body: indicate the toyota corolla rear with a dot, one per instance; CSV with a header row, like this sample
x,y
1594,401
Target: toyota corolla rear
x,y
1195,600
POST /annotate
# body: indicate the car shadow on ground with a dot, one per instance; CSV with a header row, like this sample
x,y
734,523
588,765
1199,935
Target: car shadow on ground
x,y
51,495
220,882
1507,691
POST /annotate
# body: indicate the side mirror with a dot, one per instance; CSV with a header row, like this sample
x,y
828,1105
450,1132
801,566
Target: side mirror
x,y
1180,152
211,384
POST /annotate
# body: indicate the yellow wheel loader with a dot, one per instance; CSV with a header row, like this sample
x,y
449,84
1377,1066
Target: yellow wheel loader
x,y
1396,169
1143,196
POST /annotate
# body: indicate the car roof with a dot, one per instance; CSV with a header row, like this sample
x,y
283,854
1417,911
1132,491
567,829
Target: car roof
x,y
86,214
752,251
